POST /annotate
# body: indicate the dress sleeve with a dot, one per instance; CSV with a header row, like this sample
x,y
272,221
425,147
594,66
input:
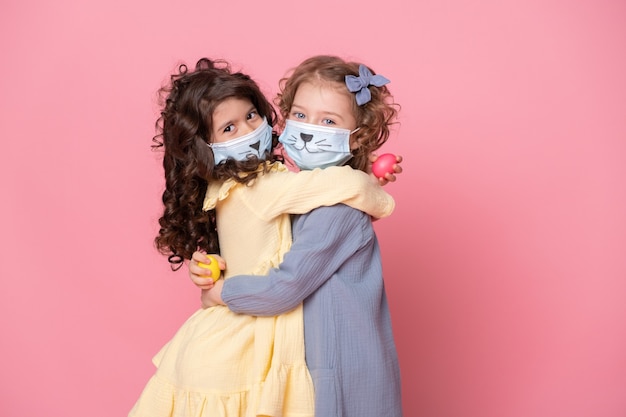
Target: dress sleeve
x,y
298,193
323,240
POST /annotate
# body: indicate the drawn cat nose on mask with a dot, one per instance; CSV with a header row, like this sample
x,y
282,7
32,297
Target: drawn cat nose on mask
x,y
305,137
255,143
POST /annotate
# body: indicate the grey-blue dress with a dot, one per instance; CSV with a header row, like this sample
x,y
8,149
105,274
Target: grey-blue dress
x,y
334,267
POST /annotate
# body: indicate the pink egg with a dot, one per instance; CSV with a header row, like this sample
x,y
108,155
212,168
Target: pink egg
x,y
384,165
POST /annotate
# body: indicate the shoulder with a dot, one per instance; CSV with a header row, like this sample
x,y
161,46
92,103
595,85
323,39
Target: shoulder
x,y
337,210
339,230
337,218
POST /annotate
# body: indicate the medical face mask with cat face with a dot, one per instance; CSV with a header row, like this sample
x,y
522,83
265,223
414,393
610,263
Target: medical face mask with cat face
x,y
255,143
313,146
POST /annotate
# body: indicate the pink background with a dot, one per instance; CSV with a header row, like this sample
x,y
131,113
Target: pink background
x,y
504,261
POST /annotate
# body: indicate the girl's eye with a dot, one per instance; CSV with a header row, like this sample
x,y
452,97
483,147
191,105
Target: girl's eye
x,y
252,115
328,122
299,115
229,128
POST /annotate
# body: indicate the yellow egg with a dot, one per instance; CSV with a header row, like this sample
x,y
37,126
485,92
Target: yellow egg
x,y
213,267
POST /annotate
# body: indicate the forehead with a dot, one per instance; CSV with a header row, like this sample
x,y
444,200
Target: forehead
x,y
231,107
324,96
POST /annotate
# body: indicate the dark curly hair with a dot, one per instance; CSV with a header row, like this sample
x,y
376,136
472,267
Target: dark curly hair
x,y
183,131
373,118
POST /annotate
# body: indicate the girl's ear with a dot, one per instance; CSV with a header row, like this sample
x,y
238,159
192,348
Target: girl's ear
x,y
356,140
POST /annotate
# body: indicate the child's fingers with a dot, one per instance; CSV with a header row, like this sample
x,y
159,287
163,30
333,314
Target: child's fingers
x,y
220,261
207,285
390,177
195,269
202,281
198,257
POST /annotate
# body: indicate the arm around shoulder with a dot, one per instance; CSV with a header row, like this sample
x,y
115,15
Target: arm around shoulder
x,y
323,240
301,192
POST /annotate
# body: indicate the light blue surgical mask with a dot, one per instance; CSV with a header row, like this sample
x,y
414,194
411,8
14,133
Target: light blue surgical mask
x,y
255,143
314,146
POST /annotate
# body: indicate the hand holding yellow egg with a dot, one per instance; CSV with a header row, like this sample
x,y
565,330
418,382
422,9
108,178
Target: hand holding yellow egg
x,y
213,267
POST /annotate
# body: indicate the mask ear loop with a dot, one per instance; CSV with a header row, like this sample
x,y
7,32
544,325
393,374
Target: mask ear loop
x,y
355,141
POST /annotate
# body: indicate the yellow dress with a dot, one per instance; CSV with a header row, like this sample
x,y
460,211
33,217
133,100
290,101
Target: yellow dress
x,y
224,364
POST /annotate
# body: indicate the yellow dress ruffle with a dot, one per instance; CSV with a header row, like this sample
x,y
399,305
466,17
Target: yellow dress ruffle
x,y
200,374
220,363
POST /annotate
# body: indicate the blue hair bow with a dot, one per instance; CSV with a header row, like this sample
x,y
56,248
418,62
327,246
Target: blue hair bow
x,y
359,84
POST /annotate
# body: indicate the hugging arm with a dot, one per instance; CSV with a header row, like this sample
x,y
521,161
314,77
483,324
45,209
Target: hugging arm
x,y
323,240
298,193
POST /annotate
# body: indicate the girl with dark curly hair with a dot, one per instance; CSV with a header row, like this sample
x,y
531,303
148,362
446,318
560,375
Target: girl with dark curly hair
x,y
225,192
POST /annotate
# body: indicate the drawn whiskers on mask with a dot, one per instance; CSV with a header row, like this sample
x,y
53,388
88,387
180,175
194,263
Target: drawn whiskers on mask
x,y
305,143
255,143
312,146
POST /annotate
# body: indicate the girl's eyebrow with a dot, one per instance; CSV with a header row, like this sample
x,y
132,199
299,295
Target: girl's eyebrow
x,y
221,127
229,121
333,114
325,112
297,106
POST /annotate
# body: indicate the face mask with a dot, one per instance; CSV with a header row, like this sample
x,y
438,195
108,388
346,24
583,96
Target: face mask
x,y
255,143
313,146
